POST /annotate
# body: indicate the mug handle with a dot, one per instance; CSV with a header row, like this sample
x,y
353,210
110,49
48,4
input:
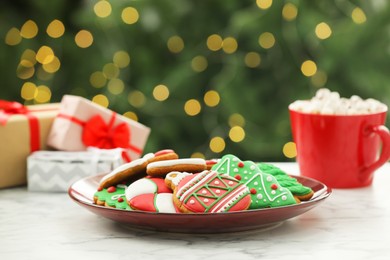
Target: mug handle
x,y
384,135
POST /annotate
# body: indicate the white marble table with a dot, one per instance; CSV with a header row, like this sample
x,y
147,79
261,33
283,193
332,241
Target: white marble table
x,y
350,224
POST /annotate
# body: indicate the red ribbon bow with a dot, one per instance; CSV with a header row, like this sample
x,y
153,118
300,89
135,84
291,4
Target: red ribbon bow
x,y
9,108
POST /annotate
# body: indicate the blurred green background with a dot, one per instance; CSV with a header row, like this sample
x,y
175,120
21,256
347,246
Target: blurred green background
x,y
209,77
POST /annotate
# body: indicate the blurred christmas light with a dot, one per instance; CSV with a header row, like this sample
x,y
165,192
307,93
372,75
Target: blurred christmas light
x,y
192,107
217,144
308,68
211,98
28,91
55,29
319,79
23,72
161,92
252,59
131,115
214,42
97,79
198,155
121,59
45,55
266,40
43,94
236,120
53,66
102,9
175,44
199,63
101,99
323,31
290,150
28,58
289,12
236,134
43,75
136,98
110,71
83,39
130,15
264,4
358,16
13,37
29,29
229,45
115,86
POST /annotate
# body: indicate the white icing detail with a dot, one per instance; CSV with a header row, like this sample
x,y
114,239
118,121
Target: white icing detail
x,y
269,178
167,163
259,196
117,196
122,168
252,167
122,186
204,192
206,200
216,182
148,156
273,192
139,187
235,170
230,183
192,201
256,183
284,197
164,203
235,159
228,200
199,176
176,177
218,191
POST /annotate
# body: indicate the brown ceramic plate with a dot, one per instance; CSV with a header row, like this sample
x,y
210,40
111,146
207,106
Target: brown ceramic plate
x,y
83,190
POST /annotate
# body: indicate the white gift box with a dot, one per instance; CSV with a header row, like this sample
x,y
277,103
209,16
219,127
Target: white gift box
x,y
55,171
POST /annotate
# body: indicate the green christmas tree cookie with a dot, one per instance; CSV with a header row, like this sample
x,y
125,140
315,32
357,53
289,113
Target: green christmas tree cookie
x,y
264,188
297,189
113,196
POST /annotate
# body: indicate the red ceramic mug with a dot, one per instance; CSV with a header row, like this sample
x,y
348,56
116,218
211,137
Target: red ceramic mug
x,y
342,151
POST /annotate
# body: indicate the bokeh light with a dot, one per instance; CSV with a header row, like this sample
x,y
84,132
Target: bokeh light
x,y
214,42
43,94
237,134
290,150
217,144
289,12
211,98
308,68
319,79
161,92
358,16
199,63
28,91
13,37
102,9
229,45
97,79
192,107
55,29
83,39
267,40
121,59
52,66
323,31
264,4
101,100
198,155
110,71
130,15
252,59
136,98
131,115
116,86
23,72
236,120
45,55
175,44
29,29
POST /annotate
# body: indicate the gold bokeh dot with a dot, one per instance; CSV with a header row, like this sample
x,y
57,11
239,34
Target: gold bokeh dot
x,y
101,100
13,37
289,12
192,107
211,98
102,9
97,79
161,92
29,29
236,120
28,58
55,29
136,98
237,134
131,115
43,94
358,16
130,15
308,68
116,86
217,144
323,31
28,91
53,66
45,55
290,150
198,155
110,70
43,75
264,4
252,59
267,40
23,72
199,63
319,79
121,59
175,44
214,42
229,45
83,39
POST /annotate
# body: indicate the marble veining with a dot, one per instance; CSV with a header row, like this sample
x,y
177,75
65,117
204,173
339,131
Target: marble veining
x,y
351,223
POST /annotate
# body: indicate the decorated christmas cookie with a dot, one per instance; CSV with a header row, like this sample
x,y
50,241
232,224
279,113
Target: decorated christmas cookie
x,y
113,196
150,194
162,168
299,191
135,169
207,192
265,190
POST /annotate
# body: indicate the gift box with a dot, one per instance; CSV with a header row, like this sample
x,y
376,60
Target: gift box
x,y
23,129
82,123
55,171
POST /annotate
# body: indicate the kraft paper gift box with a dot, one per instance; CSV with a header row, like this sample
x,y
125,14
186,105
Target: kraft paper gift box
x,y
56,171
82,123
23,129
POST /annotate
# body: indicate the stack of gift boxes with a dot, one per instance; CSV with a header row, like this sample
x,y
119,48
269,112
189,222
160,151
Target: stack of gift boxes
x,y
53,145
